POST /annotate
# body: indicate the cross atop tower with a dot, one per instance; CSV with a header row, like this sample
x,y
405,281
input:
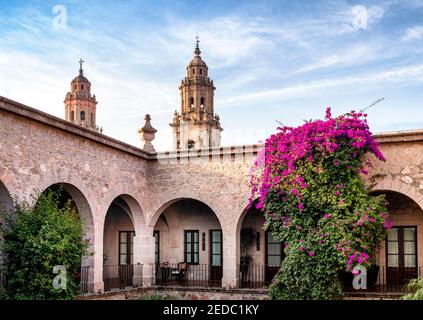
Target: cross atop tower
x,y
80,66
197,45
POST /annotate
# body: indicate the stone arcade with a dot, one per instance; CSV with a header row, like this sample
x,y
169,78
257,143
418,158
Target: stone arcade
x,y
186,207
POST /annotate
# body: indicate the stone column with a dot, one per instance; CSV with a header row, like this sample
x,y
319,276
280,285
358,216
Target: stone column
x,y
144,256
231,243
95,262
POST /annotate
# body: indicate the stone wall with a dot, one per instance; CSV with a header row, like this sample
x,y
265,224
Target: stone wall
x,y
38,150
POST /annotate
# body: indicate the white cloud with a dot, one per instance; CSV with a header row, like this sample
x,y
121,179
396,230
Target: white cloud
x,y
399,75
353,55
135,69
414,33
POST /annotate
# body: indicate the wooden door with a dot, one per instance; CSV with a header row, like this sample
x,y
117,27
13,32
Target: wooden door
x,y
401,255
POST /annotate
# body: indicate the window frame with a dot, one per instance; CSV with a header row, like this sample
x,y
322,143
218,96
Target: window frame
x,y
211,246
192,253
156,249
266,250
400,241
129,248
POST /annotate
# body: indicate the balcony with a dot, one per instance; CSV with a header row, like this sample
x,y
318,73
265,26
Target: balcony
x,y
188,275
121,277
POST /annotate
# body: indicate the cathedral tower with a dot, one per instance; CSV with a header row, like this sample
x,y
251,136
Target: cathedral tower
x,y
80,105
196,126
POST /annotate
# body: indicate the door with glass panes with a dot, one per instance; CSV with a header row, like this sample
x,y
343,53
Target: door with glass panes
x,y
126,257
274,255
401,255
216,257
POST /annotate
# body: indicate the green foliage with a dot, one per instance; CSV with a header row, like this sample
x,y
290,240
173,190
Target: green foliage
x,y
39,237
304,277
415,290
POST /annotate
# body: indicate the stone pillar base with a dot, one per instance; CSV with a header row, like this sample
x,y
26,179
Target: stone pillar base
x,y
148,275
230,283
96,287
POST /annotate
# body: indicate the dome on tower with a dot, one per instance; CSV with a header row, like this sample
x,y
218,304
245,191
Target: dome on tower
x,y
197,61
80,77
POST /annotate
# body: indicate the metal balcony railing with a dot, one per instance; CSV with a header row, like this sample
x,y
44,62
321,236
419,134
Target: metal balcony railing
x,y
188,275
122,276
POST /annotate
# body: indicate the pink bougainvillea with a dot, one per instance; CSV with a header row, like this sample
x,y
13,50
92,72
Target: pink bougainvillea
x,y
308,182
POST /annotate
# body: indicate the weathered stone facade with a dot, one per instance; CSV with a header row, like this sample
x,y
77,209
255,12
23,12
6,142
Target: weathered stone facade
x,y
38,150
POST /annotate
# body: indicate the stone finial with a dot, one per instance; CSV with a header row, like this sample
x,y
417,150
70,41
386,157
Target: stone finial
x,y
147,135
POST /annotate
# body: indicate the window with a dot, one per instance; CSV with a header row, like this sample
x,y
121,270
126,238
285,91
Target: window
x,y
157,246
191,144
82,87
72,116
203,241
216,248
274,251
82,115
191,102
193,71
75,87
191,246
402,247
202,101
201,71
126,244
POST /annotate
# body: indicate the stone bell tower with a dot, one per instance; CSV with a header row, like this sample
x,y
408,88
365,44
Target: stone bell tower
x,y
80,105
196,125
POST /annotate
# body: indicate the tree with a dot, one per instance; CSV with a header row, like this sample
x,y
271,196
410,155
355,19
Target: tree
x,y
312,194
36,239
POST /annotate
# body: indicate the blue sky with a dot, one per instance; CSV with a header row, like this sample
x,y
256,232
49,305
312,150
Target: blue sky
x,y
271,61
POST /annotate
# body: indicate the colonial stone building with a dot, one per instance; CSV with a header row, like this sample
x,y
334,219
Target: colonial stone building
x,y
177,217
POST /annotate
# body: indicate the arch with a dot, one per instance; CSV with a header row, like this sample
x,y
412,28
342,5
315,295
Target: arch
x,y
191,235
242,216
82,206
131,207
123,229
132,200
84,210
396,185
168,202
406,214
6,201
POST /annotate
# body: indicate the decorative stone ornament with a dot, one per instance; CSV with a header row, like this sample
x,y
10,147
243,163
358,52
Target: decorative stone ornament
x,y
147,135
